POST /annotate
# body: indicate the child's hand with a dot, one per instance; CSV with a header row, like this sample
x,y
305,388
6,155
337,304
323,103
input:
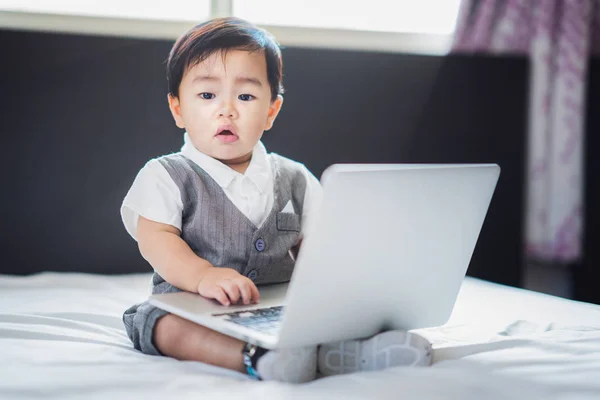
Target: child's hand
x,y
227,286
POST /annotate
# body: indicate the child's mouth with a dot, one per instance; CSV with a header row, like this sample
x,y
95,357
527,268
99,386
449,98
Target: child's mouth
x,y
226,136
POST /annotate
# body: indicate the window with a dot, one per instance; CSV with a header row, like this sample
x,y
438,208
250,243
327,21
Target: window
x,y
197,10
418,26
410,16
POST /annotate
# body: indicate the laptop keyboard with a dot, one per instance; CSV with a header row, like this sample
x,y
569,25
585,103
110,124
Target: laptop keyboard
x,y
265,320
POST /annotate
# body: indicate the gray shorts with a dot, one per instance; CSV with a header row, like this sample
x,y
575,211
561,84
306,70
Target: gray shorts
x,y
140,319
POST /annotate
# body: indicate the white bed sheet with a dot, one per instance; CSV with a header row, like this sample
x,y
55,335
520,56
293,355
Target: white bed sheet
x,y
61,337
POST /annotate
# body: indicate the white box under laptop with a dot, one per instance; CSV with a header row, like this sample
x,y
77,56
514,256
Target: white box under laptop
x,y
388,249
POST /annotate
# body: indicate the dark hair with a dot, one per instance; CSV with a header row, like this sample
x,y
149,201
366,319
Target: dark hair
x,y
223,34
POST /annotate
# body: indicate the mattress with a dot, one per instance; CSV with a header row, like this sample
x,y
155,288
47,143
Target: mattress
x,y
61,337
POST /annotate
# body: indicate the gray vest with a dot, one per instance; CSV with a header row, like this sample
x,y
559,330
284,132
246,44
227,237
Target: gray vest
x,y
216,230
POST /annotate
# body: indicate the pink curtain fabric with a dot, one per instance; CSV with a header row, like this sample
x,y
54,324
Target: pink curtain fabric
x,y
558,36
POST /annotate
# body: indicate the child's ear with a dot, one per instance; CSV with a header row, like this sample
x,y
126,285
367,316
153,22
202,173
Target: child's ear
x,y
175,108
273,112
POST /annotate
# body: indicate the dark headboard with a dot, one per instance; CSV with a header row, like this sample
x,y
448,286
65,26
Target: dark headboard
x,y
81,115
586,273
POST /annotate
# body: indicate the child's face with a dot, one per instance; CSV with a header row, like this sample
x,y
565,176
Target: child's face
x,y
225,104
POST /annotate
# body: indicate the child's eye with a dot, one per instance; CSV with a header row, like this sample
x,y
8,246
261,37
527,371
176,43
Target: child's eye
x,y
206,96
246,97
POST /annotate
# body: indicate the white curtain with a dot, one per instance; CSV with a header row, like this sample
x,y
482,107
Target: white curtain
x,y
558,36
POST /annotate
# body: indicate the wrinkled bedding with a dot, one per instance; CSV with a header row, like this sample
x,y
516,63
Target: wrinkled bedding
x,y
61,337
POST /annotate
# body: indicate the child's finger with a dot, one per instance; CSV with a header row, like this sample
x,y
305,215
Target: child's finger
x,y
245,291
219,294
255,292
232,290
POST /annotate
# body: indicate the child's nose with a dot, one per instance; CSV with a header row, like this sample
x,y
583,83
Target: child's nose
x,y
227,110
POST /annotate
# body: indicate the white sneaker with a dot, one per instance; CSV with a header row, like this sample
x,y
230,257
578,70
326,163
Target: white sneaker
x,y
387,349
289,365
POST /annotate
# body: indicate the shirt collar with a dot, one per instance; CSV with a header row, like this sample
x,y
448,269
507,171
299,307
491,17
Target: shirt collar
x,y
259,171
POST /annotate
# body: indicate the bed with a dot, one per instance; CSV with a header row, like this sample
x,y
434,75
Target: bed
x,y
61,337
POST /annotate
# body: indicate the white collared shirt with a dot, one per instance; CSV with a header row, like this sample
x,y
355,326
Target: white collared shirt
x,y
155,196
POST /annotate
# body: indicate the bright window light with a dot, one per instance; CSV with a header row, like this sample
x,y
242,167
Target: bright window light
x,y
196,10
414,16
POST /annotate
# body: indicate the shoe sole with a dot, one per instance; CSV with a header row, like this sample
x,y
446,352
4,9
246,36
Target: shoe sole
x,y
385,350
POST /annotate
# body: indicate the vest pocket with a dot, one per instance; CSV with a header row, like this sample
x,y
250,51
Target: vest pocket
x,y
288,222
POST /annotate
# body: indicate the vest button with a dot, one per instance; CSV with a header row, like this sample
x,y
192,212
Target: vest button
x,y
252,274
260,245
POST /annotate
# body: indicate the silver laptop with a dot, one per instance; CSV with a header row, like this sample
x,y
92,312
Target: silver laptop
x,y
388,249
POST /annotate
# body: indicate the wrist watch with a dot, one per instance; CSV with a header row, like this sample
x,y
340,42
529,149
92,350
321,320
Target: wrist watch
x,y
249,351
